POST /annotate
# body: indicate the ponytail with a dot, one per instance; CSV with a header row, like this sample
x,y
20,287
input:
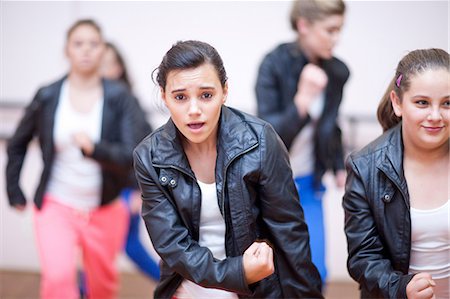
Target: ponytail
x,y
385,112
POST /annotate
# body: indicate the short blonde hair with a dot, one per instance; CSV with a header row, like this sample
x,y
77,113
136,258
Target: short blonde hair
x,y
313,10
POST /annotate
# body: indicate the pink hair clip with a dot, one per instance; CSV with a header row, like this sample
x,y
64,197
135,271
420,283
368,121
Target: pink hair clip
x,y
399,80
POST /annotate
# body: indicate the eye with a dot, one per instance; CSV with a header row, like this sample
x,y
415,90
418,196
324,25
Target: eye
x,y
333,31
421,102
446,104
180,97
206,95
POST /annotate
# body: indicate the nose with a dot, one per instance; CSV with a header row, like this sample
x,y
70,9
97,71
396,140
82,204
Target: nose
x,y
194,107
435,114
335,37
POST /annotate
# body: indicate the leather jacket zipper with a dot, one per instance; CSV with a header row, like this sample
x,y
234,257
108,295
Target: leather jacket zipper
x,y
222,206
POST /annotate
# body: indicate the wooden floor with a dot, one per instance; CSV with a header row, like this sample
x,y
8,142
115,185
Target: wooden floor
x,y
25,285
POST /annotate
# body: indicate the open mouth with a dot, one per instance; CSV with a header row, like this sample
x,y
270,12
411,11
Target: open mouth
x,y
196,126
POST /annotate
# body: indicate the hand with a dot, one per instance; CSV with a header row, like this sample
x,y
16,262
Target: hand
x,y
135,202
311,83
83,141
258,262
340,178
421,286
19,207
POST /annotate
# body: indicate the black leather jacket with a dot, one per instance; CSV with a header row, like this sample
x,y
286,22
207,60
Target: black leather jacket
x,y
276,87
377,218
256,196
114,151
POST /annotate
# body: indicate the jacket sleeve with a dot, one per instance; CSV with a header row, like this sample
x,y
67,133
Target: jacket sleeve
x,y
17,149
175,245
338,163
118,155
143,129
283,216
368,262
284,118
338,74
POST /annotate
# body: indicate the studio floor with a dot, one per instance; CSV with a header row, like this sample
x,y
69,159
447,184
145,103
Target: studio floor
x,y
25,285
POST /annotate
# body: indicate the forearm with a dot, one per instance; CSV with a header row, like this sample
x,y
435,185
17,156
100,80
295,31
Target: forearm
x,y
181,253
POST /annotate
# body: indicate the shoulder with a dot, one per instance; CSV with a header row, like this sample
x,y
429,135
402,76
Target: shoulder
x,y
386,143
257,128
115,89
117,97
281,52
338,69
49,91
146,143
160,143
238,117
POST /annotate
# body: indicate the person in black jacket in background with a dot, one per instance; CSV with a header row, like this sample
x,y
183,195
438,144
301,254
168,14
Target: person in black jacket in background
x,y
397,200
299,90
114,68
219,200
85,127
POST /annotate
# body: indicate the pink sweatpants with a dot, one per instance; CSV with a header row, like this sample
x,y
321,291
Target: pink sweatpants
x,y
62,231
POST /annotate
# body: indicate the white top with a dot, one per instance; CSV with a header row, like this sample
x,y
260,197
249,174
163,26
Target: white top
x,y
212,236
301,153
430,245
75,180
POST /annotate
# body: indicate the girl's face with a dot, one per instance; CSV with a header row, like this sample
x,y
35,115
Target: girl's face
x,y
111,68
84,49
194,98
318,38
425,110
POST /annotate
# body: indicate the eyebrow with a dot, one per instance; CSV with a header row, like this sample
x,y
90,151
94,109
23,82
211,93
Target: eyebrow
x,y
427,97
184,89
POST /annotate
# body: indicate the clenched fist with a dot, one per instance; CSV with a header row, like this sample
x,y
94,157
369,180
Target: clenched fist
x,y
421,287
83,141
258,262
311,83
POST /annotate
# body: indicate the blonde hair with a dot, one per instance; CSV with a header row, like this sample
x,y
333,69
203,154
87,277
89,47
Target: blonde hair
x,y
313,10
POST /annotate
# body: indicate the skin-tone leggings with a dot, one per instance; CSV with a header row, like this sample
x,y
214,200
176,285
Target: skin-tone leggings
x,y
63,232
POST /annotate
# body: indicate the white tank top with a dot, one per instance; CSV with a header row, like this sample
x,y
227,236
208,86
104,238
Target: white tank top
x,y
75,180
430,245
212,236
301,153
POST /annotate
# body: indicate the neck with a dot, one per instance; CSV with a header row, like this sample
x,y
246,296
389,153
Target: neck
x,y
427,157
203,149
200,149
308,53
85,81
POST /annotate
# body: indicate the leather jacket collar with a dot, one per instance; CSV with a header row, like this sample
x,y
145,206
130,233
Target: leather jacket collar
x,y
234,138
391,162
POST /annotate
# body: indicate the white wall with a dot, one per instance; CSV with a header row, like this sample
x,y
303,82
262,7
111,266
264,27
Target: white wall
x,y
376,35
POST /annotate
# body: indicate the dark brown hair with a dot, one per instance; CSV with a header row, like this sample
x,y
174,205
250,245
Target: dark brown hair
x,y
124,75
412,64
190,54
79,23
